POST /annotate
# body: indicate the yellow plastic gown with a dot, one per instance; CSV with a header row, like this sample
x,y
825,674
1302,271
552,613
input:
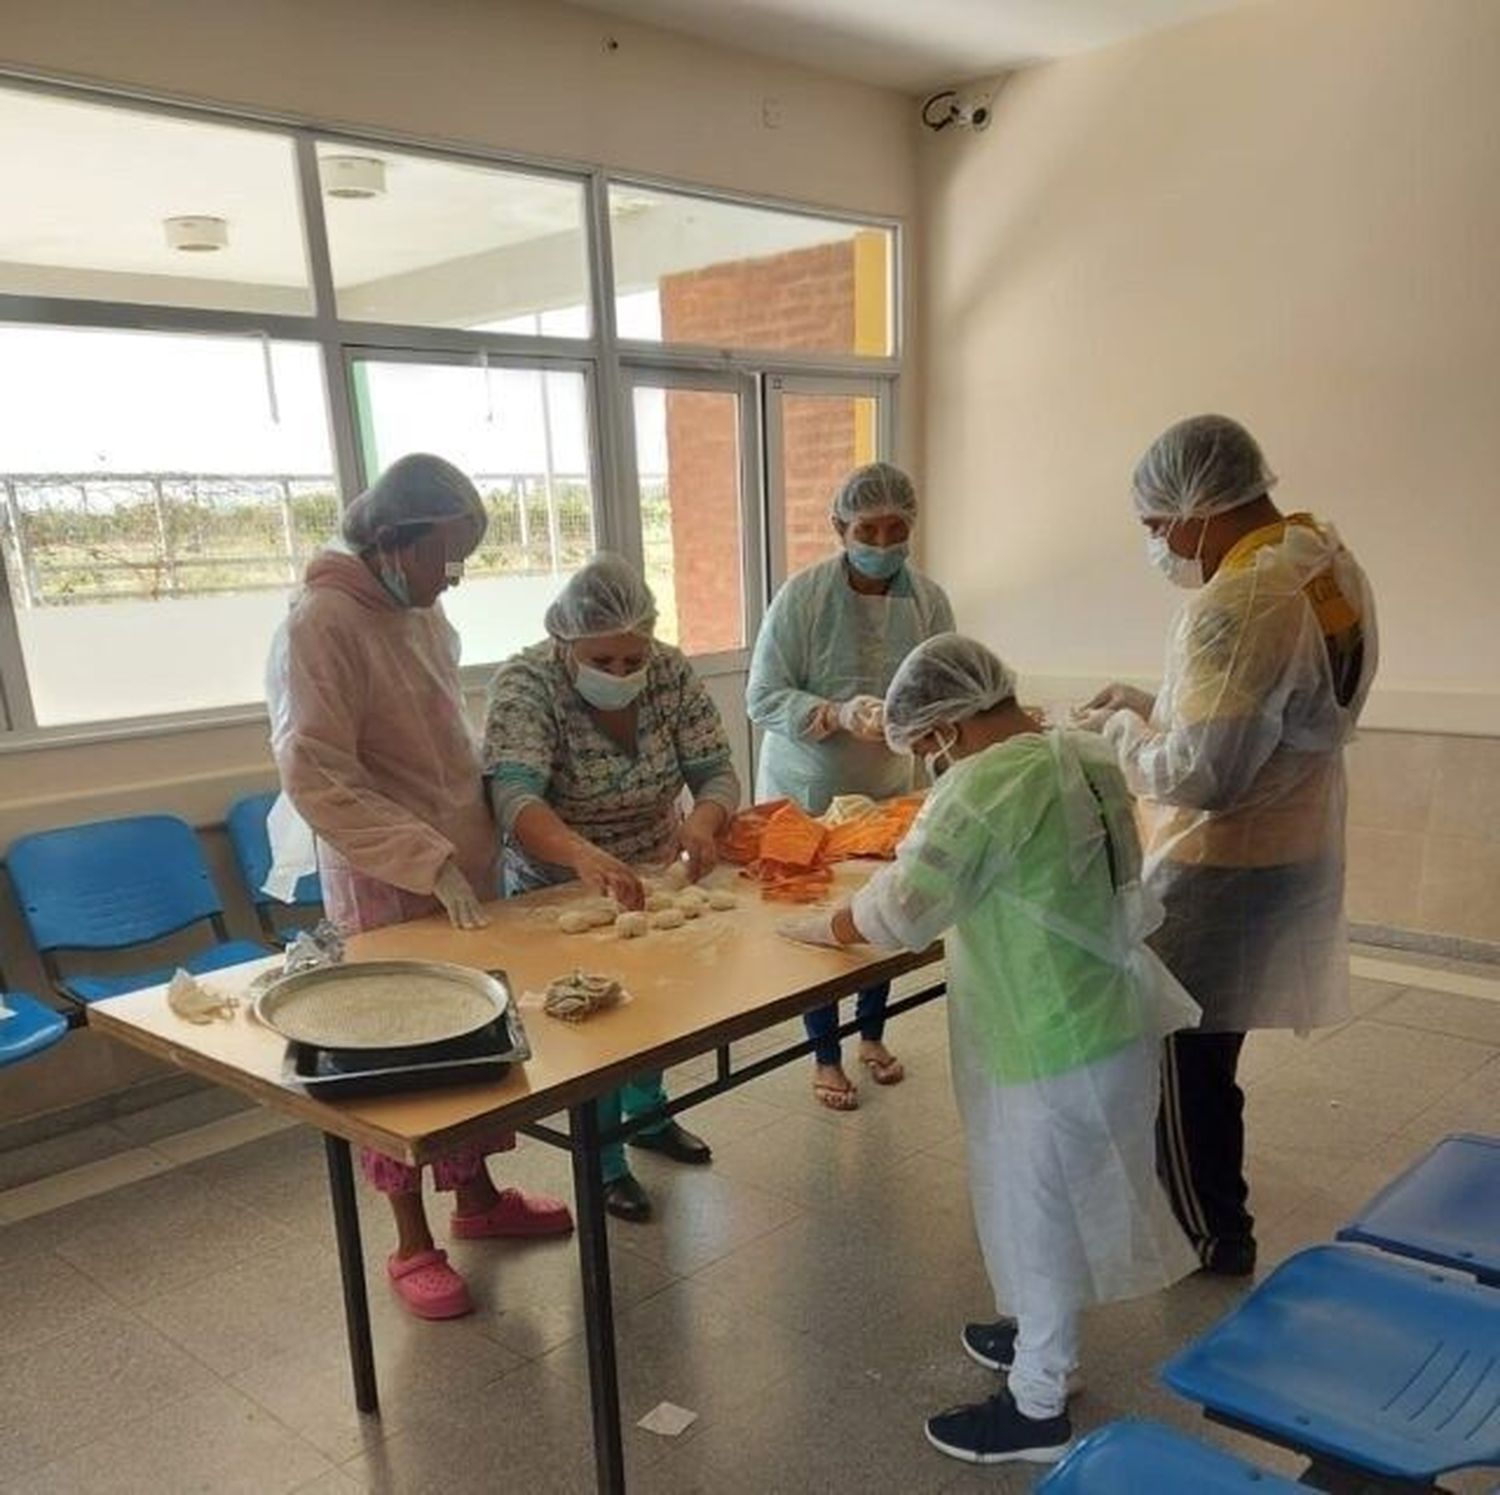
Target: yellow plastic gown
x,y
1241,773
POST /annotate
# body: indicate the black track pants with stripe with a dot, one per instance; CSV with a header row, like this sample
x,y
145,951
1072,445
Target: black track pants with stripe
x,y
1200,1137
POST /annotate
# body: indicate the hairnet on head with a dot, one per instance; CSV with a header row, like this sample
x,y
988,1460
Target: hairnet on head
x,y
416,489
943,680
1205,465
606,596
876,488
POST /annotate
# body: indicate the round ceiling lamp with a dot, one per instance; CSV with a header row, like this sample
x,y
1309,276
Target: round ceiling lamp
x,y
196,234
353,176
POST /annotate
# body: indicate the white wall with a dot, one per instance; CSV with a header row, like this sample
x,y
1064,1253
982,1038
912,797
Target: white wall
x,y
1287,213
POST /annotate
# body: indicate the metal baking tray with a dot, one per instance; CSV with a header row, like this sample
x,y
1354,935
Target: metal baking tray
x,y
483,1057
323,1008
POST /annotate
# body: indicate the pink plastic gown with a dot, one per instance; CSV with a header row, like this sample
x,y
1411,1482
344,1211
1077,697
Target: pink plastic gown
x,y
374,750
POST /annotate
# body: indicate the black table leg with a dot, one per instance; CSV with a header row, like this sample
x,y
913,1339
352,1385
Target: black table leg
x,y
352,1269
598,1298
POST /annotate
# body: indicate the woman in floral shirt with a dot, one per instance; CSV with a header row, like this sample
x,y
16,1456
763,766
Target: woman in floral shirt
x,y
590,739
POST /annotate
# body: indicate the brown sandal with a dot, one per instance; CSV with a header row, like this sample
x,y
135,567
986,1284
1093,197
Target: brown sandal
x,y
843,1097
885,1071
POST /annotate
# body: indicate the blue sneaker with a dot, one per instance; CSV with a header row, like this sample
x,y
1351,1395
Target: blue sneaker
x,y
996,1432
994,1347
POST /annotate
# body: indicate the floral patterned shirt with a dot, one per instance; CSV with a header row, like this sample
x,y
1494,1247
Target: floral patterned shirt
x,y
543,742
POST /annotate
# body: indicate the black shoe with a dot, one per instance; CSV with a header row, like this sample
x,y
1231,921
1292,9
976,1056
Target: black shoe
x,y
994,1347
991,1345
995,1432
1229,1256
625,1199
675,1142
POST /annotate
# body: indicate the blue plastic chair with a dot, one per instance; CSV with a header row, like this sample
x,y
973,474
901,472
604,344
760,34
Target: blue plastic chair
x,y
114,885
1444,1209
1363,1363
1144,1458
246,824
31,1027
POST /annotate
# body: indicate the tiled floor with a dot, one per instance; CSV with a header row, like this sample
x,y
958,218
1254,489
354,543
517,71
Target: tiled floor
x,y
175,1324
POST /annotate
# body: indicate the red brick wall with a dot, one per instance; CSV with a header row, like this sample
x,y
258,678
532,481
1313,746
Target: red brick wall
x,y
803,300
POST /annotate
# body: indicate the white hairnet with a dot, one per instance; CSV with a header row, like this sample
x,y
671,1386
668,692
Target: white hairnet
x,y
607,596
415,489
1202,466
876,488
946,679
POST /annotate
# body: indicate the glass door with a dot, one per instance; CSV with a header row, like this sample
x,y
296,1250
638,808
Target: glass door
x,y
817,429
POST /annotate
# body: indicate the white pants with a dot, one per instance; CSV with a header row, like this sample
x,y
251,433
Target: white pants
x,y
1046,1354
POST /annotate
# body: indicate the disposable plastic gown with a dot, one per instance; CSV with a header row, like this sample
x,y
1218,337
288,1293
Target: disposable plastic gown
x,y
1026,859
823,641
375,752
1241,774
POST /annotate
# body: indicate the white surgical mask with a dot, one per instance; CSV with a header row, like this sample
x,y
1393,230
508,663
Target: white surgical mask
x,y
606,692
938,762
393,579
1181,570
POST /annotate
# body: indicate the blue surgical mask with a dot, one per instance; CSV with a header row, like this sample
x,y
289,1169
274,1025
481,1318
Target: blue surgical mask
x,y
393,579
606,692
878,562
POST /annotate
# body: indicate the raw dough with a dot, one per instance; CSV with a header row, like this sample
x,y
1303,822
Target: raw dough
x,y
668,918
575,921
657,901
691,910
677,876
632,926
573,998
603,916
722,901
692,896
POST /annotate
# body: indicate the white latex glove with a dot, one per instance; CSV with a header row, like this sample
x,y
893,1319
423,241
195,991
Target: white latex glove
x,y
823,722
1117,697
811,929
1091,718
863,718
454,892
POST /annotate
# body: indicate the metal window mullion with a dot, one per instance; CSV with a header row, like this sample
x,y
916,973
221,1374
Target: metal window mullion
x,y
17,712
619,521
348,473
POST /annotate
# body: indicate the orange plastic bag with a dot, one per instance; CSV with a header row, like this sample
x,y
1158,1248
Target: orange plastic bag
x,y
741,840
781,884
793,838
875,834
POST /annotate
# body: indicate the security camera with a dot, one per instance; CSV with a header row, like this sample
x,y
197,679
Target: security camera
x,y
969,110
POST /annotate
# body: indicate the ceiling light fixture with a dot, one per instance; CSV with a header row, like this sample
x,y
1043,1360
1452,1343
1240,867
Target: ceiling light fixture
x,y
196,234
353,176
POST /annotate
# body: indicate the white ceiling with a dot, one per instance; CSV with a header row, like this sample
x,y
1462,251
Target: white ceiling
x,y
914,45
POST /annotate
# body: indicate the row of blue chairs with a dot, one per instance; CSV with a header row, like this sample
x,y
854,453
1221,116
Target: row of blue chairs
x,y
1377,1359
125,885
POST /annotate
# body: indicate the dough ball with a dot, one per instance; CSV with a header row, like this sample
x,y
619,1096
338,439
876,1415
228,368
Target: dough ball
x,y
677,876
722,901
656,902
690,910
603,916
632,926
668,918
692,898
575,921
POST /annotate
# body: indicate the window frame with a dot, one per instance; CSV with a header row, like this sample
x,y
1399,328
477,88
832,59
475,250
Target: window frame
x,y
612,367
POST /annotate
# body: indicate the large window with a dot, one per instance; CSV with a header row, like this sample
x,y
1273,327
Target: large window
x,y
161,494
214,332
698,271
522,435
